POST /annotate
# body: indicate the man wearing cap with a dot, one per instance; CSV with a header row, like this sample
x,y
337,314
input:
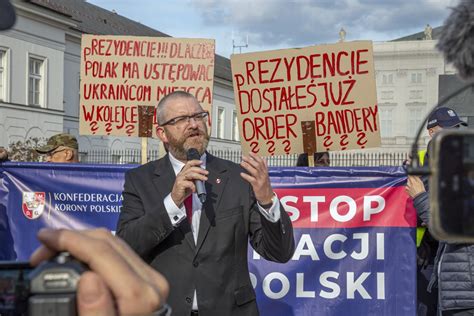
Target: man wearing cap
x,y
61,148
451,272
442,117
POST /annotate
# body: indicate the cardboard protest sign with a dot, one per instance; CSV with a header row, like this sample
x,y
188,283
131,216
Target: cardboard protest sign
x,y
319,98
124,77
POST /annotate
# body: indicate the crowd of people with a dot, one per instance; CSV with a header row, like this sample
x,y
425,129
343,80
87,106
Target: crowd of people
x,y
167,232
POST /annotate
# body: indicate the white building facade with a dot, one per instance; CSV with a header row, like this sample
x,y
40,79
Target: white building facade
x,y
407,74
32,76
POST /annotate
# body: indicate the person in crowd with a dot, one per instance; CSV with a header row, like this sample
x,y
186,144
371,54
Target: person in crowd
x,y
202,245
443,266
442,117
3,154
118,283
321,159
61,148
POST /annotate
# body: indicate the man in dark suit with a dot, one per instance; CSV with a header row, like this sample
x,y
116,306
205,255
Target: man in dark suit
x,y
201,248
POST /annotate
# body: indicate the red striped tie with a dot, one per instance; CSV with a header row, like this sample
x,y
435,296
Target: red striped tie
x,y
188,204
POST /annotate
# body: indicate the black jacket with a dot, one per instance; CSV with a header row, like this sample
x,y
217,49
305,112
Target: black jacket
x,y
217,266
455,263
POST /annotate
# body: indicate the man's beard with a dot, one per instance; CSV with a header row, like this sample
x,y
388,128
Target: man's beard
x,y
178,146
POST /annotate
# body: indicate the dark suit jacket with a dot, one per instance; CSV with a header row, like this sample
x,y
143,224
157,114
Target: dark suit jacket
x,y
217,265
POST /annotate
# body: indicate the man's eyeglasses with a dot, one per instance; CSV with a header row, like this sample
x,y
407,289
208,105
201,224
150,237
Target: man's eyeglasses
x,y
51,154
180,120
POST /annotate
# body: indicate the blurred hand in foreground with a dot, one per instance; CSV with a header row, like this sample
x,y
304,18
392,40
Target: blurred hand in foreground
x,y
118,282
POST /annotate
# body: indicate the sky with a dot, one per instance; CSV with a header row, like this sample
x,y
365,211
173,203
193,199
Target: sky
x,y
276,24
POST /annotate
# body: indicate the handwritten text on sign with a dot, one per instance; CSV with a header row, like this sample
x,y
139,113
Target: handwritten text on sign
x,y
329,87
124,77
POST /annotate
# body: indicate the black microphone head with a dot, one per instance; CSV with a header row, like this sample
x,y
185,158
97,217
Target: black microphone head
x,y
457,39
7,15
193,154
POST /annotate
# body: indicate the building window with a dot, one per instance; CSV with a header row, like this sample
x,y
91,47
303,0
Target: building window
x,y
387,95
387,79
416,94
35,81
3,74
220,122
235,127
386,122
416,77
414,120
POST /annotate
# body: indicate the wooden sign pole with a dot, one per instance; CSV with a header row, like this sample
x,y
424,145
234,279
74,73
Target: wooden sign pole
x,y
145,127
144,150
310,160
309,140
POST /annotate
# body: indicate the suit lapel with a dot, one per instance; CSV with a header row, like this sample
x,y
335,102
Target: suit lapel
x,y
215,184
163,180
164,177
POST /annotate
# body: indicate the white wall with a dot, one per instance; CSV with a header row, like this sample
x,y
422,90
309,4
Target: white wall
x,y
31,37
223,98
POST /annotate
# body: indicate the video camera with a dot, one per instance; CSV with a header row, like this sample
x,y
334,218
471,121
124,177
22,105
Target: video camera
x,y
49,289
452,186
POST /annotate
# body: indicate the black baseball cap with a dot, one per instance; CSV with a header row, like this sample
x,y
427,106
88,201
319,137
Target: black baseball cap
x,y
7,15
445,118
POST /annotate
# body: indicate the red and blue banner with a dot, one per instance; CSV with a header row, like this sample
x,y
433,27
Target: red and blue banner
x,y
355,245
354,231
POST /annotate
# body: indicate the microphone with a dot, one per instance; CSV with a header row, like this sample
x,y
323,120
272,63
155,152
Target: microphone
x,y
7,15
193,154
457,39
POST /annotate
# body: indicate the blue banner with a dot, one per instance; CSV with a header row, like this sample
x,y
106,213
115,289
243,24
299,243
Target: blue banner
x,y
354,231
37,195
